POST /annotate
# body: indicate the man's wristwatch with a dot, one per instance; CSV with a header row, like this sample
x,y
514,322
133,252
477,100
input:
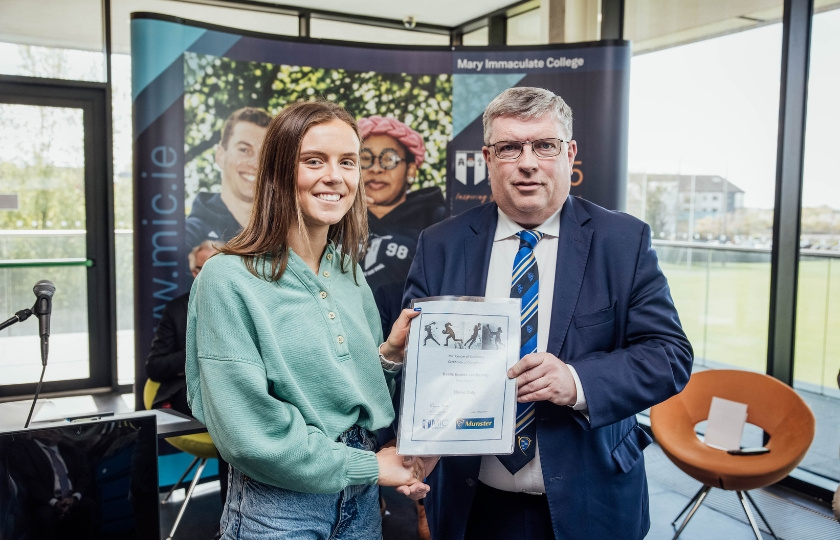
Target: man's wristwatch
x,y
387,365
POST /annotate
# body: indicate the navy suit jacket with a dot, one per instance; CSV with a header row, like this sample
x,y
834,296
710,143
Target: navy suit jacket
x,y
613,319
168,355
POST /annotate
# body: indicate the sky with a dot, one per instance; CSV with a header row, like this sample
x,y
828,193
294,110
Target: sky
x,y
712,108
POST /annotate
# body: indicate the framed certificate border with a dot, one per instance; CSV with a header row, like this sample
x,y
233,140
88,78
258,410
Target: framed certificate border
x,y
456,396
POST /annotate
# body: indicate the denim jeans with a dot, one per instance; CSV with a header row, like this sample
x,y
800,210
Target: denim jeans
x,y
257,510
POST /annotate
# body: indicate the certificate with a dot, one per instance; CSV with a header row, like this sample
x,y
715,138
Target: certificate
x,y
456,395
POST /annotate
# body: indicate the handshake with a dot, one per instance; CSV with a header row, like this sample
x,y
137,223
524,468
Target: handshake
x,y
405,473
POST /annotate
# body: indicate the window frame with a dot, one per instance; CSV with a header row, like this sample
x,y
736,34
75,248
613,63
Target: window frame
x,y
93,99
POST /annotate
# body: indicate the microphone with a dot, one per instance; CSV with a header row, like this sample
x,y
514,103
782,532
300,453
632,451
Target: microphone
x,y
44,291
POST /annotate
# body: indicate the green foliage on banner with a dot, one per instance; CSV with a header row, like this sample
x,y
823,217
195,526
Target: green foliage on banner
x,y
215,87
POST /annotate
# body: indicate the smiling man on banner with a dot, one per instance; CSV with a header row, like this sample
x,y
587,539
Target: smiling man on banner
x,y
220,216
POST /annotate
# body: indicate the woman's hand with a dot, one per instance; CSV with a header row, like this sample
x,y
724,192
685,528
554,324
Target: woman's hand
x,y
395,470
394,347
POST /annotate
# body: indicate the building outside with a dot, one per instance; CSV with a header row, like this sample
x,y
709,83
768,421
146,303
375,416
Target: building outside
x,y
683,207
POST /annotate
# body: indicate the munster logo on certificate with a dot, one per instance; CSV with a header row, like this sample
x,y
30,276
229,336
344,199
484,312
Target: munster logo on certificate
x,y
456,396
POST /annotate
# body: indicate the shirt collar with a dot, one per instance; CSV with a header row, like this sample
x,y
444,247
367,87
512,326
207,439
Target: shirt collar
x,y
507,228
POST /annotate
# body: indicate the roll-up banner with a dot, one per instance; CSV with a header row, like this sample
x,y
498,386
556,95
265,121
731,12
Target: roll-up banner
x,y
193,84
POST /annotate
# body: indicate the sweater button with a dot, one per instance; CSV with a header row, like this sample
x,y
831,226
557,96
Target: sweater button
x,y
470,482
331,315
329,256
340,339
323,294
326,273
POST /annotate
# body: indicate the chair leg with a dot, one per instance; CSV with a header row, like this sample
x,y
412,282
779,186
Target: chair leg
x,y
686,507
697,500
750,516
761,515
178,483
187,498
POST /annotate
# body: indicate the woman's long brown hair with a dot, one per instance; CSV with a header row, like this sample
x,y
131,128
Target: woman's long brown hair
x,y
276,207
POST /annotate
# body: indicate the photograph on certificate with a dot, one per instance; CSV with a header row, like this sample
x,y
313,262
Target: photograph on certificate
x,y
457,398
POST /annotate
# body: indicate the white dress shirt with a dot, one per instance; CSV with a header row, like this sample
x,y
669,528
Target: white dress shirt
x,y
529,478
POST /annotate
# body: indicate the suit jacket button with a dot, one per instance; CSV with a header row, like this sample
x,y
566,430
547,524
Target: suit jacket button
x,y
470,482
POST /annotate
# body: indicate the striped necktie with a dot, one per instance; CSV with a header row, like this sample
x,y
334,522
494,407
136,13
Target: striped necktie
x,y
60,471
525,284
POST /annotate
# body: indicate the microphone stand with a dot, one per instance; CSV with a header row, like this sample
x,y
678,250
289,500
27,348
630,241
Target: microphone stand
x,y
20,316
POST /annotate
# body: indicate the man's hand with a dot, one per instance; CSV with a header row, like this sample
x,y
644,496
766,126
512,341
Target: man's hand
x,y
63,506
419,490
544,377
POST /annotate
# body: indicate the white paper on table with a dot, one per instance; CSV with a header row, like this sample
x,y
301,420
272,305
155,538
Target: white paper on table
x,y
726,424
456,396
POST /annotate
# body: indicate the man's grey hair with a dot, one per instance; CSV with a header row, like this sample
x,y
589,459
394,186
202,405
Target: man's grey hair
x,y
527,103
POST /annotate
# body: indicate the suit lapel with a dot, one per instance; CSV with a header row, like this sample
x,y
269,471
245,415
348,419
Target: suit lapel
x,y
572,254
477,247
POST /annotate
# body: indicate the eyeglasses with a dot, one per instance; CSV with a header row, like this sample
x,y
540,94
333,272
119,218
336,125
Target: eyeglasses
x,y
388,159
543,148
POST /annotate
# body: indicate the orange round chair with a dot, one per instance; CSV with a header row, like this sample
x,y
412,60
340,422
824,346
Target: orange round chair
x,y
771,405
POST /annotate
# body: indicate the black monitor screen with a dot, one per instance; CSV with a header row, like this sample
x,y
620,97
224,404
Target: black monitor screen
x,y
96,479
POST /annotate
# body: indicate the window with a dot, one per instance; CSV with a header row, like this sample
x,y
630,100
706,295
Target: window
x,y
322,28
54,162
817,353
704,103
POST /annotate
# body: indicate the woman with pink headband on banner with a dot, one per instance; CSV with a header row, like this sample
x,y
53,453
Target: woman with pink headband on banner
x,y
391,158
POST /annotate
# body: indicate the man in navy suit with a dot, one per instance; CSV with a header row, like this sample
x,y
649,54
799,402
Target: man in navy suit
x,y
609,340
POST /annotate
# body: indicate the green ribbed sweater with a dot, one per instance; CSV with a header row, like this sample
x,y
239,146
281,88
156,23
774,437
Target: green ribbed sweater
x,y
278,370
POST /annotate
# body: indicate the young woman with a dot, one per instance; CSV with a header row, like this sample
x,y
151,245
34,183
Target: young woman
x,y
282,360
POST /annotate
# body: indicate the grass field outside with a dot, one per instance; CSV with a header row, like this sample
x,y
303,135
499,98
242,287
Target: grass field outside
x,y
723,302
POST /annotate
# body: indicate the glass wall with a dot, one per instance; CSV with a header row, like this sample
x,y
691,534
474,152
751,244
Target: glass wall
x,y
476,37
322,28
42,171
818,310
67,44
244,19
704,114
817,353
53,226
524,29
702,157
722,294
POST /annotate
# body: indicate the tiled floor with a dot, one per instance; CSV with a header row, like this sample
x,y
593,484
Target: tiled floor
x,y
792,516
721,516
